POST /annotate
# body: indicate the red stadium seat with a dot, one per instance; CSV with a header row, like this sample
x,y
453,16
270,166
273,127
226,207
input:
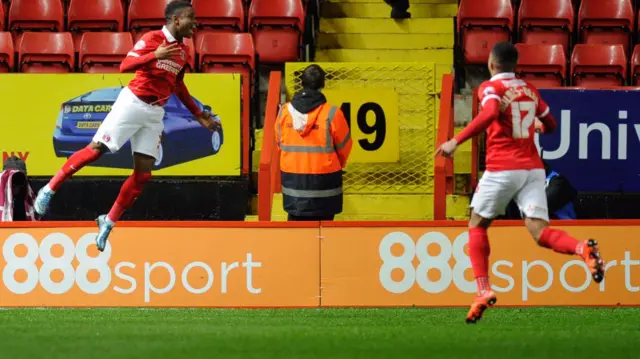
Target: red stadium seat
x,y
598,65
6,52
544,66
102,52
5,11
226,15
606,22
546,22
482,24
46,52
277,26
2,17
145,15
34,15
226,52
94,15
635,66
191,66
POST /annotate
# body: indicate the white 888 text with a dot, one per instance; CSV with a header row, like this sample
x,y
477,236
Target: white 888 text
x,y
51,263
419,274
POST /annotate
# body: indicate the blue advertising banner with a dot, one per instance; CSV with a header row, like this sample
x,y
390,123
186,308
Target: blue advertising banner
x,y
597,143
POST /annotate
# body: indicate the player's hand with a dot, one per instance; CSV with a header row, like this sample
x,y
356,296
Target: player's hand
x,y
539,126
167,51
447,149
209,121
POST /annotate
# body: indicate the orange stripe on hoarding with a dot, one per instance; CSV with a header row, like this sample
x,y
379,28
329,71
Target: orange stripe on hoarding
x,y
163,224
311,224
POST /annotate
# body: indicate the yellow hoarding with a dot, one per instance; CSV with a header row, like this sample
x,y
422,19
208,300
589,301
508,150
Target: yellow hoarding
x,y
45,118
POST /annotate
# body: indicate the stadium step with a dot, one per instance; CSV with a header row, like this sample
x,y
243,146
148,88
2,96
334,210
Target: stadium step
x,y
382,10
386,26
385,41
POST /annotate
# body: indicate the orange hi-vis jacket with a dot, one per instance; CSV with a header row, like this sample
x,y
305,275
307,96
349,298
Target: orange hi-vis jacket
x,y
314,148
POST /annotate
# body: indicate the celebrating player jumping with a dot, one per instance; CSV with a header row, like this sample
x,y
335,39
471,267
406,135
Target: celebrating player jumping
x,y
158,60
510,107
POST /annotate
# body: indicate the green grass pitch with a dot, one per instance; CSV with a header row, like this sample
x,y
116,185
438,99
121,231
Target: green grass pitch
x,y
318,333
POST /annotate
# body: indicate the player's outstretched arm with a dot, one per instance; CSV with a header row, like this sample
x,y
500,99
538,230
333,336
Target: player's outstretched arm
x,y
490,112
183,94
206,119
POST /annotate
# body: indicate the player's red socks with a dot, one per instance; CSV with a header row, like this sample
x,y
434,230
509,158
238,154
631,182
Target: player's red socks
x,y
130,190
559,241
479,251
73,165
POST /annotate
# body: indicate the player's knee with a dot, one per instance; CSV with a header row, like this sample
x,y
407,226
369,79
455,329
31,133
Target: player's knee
x,y
478,221
99,147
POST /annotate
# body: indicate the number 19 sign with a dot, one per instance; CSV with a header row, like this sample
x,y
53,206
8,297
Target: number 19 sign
x,y
372,115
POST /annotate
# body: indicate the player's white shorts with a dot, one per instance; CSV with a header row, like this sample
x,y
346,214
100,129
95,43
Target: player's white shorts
x,y
496,189
131,118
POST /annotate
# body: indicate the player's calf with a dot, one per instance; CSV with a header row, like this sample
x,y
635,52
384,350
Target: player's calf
x,y
76,162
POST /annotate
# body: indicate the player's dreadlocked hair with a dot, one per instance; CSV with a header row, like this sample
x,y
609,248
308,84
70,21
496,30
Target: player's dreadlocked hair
x,y
505,56
174,8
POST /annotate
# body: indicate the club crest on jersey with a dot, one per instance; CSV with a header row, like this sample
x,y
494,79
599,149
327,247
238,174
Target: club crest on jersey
x,y
140,45
489,90
183,55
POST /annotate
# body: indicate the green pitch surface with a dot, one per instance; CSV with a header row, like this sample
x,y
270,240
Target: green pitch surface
x,y
325,333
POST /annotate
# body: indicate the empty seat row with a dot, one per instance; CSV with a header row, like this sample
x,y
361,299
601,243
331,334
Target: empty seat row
x,y
482,23
102,52
591,66
277,25
88,15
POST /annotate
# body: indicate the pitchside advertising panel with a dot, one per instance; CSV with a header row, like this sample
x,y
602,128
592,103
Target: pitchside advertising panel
x,y
597,144
46,118
305,266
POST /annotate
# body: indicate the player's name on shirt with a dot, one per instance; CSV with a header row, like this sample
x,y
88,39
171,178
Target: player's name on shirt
x,y
514,93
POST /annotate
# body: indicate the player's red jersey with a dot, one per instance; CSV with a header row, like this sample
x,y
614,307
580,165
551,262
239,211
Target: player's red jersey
x,y
157,78
510,139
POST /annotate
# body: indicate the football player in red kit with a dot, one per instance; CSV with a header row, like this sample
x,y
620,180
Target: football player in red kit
x,y
159,60
510,107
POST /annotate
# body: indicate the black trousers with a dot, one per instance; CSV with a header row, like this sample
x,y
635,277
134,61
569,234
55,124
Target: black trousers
x,y
402,5
293,218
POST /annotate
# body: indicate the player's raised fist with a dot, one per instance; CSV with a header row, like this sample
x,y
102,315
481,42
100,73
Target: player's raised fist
x,y
167,51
